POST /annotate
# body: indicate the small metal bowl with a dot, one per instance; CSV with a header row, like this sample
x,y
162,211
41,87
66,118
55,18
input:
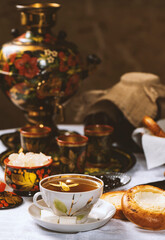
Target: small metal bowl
x,y
112,180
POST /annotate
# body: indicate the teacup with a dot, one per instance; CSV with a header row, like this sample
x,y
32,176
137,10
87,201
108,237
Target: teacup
x,y
70,194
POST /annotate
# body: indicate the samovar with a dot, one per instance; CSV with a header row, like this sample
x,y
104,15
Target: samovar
x,y
40,71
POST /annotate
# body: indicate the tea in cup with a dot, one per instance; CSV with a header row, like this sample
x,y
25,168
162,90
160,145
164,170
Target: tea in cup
x,y
71,195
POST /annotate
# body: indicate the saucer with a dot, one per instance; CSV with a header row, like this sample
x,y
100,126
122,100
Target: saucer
x,y
92,221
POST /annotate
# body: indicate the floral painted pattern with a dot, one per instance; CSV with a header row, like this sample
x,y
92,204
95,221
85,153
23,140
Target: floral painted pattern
x,y
72,159
25,180
99,150
72,84
9,200
73,210
42,68
62,69
33,38
27,66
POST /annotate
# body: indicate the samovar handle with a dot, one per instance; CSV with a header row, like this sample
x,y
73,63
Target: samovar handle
x,y
93,59
92,62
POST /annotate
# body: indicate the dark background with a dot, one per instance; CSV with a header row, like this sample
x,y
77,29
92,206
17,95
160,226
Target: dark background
x,y
128,35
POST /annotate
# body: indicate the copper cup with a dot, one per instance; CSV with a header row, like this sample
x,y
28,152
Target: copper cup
x,y
72,150
35,138
99,148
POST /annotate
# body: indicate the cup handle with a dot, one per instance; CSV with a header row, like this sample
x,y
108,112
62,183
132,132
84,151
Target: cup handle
x,y
35,197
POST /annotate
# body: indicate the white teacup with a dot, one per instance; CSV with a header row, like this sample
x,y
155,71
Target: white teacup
x,y
84,191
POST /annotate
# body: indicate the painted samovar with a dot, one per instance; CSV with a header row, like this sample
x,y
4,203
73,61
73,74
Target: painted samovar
x,y
39,71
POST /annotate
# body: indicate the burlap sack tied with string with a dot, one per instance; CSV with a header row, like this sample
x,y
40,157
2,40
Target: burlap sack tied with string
x,y
135,95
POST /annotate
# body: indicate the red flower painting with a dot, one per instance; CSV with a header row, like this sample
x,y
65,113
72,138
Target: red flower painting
x,y
23,67
71,61
12,57
72,84
27,66
49,38
6,67
8,78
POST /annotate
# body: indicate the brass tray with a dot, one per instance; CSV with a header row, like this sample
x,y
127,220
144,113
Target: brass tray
x,y
120,161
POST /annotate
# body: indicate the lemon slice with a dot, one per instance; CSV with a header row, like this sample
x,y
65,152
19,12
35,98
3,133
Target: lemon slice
x,y
64,186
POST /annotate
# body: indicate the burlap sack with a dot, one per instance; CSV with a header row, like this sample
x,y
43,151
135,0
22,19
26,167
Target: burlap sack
x,y
135,95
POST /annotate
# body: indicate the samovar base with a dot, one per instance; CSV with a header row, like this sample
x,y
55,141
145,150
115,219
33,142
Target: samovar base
x,y
45,118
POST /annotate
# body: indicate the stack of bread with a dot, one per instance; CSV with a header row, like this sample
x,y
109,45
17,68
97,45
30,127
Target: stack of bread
x,y
143,205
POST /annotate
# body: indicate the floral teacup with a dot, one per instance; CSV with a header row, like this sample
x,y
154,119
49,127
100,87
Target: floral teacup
x,y
71,195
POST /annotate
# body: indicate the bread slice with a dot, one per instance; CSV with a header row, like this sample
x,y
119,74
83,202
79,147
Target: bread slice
x,y
144,205
115,198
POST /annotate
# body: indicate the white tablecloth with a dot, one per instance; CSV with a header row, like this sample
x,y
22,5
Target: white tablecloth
x,y
17,224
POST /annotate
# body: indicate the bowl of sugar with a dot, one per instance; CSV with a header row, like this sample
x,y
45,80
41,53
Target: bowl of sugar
x,y
24,171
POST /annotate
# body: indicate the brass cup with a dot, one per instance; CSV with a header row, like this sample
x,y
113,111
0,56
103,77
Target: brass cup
x,y
35,138
72,150
99,148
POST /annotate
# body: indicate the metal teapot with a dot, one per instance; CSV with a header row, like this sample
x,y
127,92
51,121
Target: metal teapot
x,y
39,71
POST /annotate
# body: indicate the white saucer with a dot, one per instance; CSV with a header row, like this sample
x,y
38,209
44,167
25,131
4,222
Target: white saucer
x,y
91,223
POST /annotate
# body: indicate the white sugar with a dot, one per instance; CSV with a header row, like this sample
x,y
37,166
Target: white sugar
x,y
29,159
49,216
67,220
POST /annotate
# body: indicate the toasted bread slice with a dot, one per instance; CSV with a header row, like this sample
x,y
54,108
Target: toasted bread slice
x,y
115,198
144,205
